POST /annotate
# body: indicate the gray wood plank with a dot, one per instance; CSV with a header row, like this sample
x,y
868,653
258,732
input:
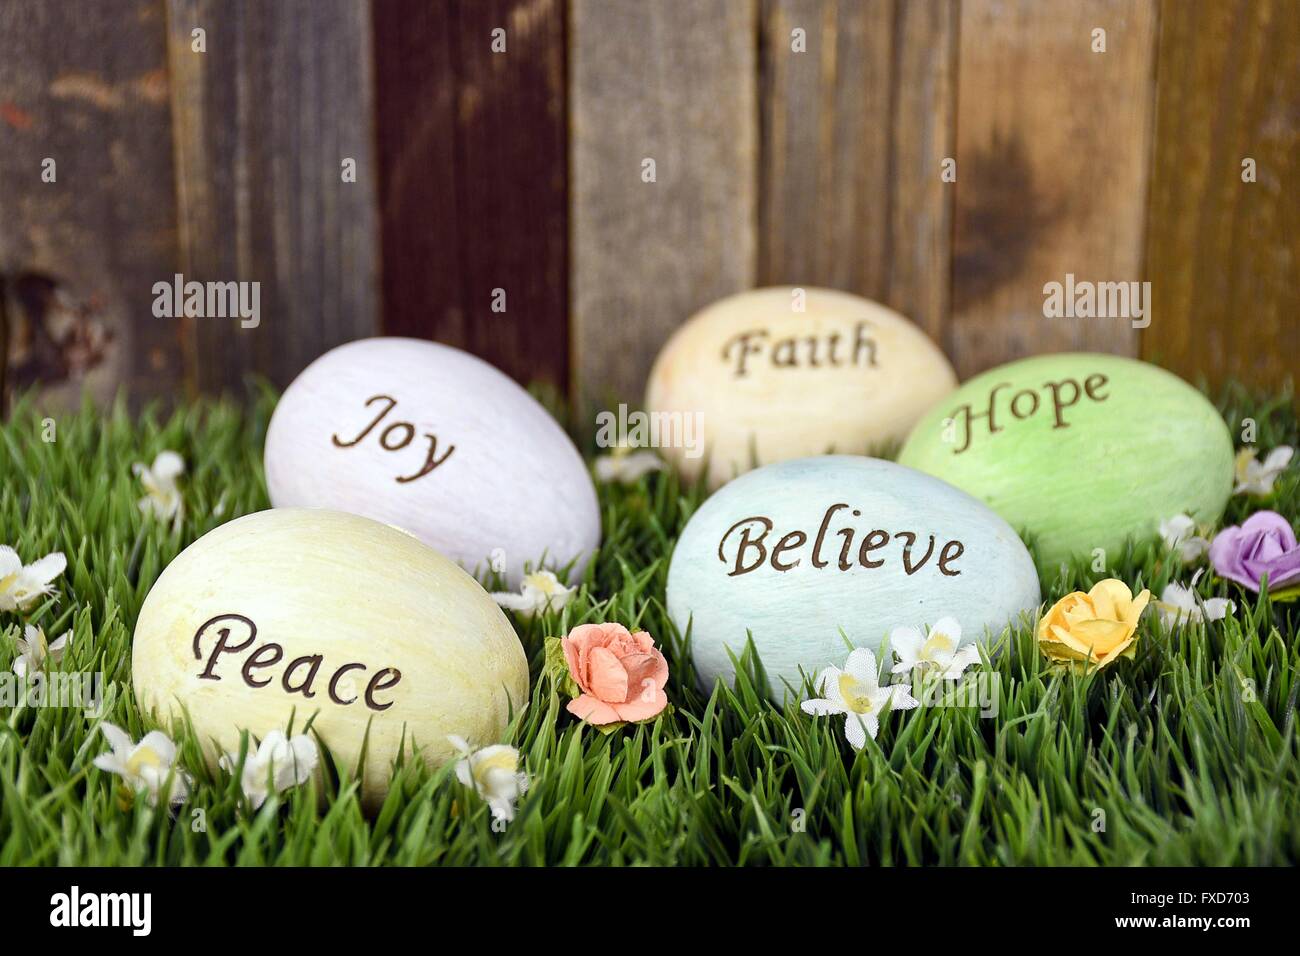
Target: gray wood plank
x,y
264,120
86,86
674,81
855,126
1053,156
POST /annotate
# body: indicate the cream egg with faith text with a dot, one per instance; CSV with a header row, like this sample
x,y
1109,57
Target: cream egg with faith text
x,y
787,372
803,553
306,614
438,442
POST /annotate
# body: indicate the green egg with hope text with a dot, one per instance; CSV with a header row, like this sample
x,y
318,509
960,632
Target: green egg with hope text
x,y
321,615
1080,451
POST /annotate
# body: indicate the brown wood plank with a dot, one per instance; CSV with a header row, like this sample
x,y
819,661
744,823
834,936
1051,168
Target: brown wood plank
x,y
1053,150
474,180
674,81
924,136
86,85
1223,255
416,142
826,111
854,129
264,120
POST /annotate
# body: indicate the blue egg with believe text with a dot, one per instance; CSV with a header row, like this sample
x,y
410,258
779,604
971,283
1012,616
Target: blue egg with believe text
x,y
796,552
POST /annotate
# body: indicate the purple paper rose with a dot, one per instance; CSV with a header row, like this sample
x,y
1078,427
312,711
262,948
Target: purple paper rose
x,y
1264,544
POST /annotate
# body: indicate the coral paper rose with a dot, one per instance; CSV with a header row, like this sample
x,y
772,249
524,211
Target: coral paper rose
x,y
1263,545
1092,629
621,675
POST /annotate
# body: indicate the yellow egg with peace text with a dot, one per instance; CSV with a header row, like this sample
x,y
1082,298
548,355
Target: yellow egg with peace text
x,y
332,617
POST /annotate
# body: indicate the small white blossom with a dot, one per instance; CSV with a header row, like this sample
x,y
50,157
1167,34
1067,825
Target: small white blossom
x,y
22,586
541,591
1179,534
277,764
145,766
856,693
938,653
627,466
1256,478
1178,603
34,651
162,495
494,774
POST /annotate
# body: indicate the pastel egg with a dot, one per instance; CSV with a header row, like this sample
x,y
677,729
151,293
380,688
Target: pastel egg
x,y
796,551
782,373
1080,451
332,617
440,443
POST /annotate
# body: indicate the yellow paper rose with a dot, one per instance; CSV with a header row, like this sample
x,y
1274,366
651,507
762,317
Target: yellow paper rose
x,y
1093,629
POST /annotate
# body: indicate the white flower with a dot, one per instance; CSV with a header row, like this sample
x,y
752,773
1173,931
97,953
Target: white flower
x,y
162,496
145,766
1257,478
627,466
938,653
34,651
856,693
1183,603
494,774
1179,534
21,587
277,764
541,591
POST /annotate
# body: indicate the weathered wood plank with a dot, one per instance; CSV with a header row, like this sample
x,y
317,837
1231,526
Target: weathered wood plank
x,y
1053,150
422,262
1223,255
825,110
514,138
264,121
674,82
472,146
855,126
86,86
924,136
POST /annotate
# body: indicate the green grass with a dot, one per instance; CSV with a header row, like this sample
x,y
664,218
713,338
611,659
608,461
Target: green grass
x,y
1185,767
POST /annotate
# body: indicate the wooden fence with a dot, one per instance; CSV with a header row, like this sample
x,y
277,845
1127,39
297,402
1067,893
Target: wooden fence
x,y
790,141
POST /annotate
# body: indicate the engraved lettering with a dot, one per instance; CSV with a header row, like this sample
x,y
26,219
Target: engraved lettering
x,y
788,543
334,683
951,552
746,542
1059,396
236,635
375,398
402,443
876,540
314,662
382,680
801,351
431,461
396,436
223,645
264,656
743,547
